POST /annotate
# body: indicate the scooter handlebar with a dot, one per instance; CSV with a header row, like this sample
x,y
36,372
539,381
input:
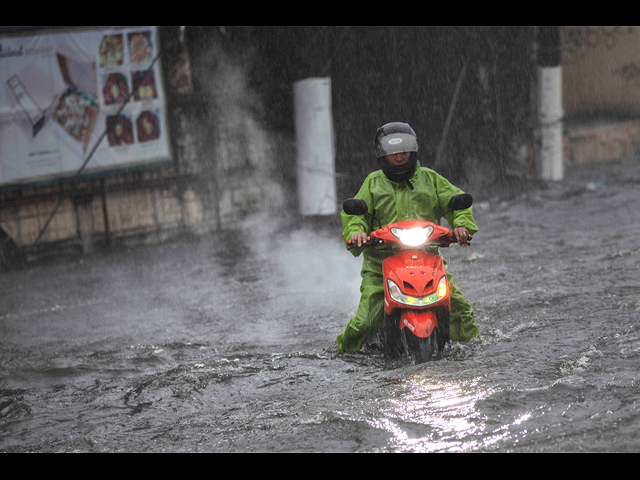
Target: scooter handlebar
x,y
373,241
452,239
370,242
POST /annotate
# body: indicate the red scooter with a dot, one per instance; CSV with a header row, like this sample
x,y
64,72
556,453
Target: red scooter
x,y
416,290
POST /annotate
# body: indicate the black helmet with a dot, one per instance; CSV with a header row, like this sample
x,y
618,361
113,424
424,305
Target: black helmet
x,y
396,137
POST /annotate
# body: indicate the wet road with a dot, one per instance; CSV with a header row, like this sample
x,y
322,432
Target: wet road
x,y
205,346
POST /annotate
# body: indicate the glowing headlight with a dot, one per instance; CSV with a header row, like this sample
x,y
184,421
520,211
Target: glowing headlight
x,y
442,288
412,236
398,296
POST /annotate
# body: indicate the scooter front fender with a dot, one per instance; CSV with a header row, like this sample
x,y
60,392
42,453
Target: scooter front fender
x,y
421,323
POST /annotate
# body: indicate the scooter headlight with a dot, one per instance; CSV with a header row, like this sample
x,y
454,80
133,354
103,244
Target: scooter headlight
x,y
412,237
442,288
396,294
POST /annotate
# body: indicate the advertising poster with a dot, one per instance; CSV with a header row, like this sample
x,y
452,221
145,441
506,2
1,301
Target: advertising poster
x,y
60,92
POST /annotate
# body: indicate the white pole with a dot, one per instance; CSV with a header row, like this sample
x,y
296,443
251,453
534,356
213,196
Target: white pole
x,y
315,147
551,148
550,103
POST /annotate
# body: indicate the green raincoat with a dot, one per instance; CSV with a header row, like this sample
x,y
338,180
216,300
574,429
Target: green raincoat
x,y
394,202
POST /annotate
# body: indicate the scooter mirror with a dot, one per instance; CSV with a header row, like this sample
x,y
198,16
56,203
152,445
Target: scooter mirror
x,y
460,201
355,206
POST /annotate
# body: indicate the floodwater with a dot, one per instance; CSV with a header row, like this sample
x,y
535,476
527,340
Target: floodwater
x,y
221,345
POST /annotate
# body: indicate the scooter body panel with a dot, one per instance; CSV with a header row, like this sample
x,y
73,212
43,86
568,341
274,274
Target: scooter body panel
x,y
417,274
421,323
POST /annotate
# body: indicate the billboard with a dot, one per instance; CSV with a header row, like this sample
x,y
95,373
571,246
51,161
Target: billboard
x,y
63,92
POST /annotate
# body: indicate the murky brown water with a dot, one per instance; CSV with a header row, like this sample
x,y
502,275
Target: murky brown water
x,y
185,347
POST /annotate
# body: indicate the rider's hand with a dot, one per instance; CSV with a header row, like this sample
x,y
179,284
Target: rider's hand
x,y
462,235
358,239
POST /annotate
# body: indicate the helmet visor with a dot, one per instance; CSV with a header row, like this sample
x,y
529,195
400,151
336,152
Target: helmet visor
x,y
396,143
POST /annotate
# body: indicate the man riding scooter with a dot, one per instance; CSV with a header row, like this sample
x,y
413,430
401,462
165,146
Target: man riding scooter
x,y
401,190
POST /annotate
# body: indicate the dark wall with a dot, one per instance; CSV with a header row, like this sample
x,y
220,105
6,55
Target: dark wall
x,y
383,74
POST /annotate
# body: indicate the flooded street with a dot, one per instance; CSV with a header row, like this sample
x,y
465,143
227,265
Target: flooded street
x,y
221,345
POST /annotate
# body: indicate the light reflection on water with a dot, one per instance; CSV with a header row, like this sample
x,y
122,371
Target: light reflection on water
x,y
432,415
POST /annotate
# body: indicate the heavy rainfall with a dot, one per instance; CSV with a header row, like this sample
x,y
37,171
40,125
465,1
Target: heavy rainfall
x,y
221,341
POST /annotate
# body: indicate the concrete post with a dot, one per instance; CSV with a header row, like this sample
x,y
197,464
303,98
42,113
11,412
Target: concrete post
x,y
315,147
551,160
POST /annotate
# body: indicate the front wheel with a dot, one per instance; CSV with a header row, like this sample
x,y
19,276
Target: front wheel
x,y
443,329
393,346
423,349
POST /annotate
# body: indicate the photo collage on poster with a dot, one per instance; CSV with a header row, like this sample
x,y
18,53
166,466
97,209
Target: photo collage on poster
x,y
63,92
124,71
